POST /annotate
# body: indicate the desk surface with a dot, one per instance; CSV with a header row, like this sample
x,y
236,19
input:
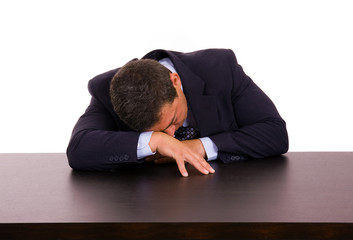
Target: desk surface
x,y
296,192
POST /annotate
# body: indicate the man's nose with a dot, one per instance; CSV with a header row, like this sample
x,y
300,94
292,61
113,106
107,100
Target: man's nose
x,y
171,130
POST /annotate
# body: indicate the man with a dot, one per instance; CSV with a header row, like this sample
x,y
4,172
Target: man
x,y
136,110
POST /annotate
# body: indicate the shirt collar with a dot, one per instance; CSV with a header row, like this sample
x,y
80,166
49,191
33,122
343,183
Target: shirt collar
x,y
168,64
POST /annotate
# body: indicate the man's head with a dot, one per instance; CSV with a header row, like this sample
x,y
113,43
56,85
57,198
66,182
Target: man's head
x,y
147,96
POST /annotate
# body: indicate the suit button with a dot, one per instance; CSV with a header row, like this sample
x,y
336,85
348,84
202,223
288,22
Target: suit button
x,y
115,158
235,158
119,158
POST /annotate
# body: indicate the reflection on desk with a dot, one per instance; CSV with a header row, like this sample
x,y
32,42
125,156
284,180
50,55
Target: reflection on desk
x,y
158,194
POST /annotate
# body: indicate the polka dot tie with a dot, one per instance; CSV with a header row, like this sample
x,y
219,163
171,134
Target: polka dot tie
x,y
185,133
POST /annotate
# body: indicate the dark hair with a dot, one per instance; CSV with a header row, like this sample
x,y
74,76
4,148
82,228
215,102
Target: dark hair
x,y
139,90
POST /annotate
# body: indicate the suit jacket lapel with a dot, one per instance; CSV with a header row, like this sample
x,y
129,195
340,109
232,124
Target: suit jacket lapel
x,y
203,108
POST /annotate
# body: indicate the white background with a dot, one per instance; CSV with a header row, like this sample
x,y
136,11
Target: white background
x,y
299,52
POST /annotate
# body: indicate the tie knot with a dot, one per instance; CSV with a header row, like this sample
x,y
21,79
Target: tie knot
x,y
185,133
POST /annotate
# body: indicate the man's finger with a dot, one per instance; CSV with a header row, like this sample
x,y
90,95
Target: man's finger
x,y
182,169
206,165
195,161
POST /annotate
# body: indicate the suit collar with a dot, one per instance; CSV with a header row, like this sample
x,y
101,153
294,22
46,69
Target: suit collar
x,y
196,86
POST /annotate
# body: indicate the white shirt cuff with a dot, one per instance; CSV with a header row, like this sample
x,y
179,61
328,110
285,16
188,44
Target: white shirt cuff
x,y
210,148
143,149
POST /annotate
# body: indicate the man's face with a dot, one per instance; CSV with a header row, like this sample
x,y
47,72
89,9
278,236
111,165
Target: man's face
x,y
173,114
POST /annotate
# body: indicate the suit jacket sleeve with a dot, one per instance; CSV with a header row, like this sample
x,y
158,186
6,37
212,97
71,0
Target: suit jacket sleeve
x,y
260,131
99,140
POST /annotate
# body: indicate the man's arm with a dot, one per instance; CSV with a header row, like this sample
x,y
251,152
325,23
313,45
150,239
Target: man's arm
x,y
261,130
97,142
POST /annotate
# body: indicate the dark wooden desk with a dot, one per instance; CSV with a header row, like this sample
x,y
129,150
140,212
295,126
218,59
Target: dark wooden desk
x,y
295,196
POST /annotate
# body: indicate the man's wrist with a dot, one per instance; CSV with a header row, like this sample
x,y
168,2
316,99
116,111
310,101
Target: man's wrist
x,y
210,147
143,148
155,138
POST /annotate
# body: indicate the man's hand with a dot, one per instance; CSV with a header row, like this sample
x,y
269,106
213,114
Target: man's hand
x,y
195,145
186,151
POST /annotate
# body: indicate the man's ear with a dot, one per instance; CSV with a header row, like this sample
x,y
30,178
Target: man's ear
x,y
174,77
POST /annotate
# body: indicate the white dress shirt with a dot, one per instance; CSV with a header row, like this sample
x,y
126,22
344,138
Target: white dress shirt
x,y
143,149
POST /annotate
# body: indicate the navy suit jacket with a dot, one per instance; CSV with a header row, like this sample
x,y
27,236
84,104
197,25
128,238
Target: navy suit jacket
x,y
226,105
